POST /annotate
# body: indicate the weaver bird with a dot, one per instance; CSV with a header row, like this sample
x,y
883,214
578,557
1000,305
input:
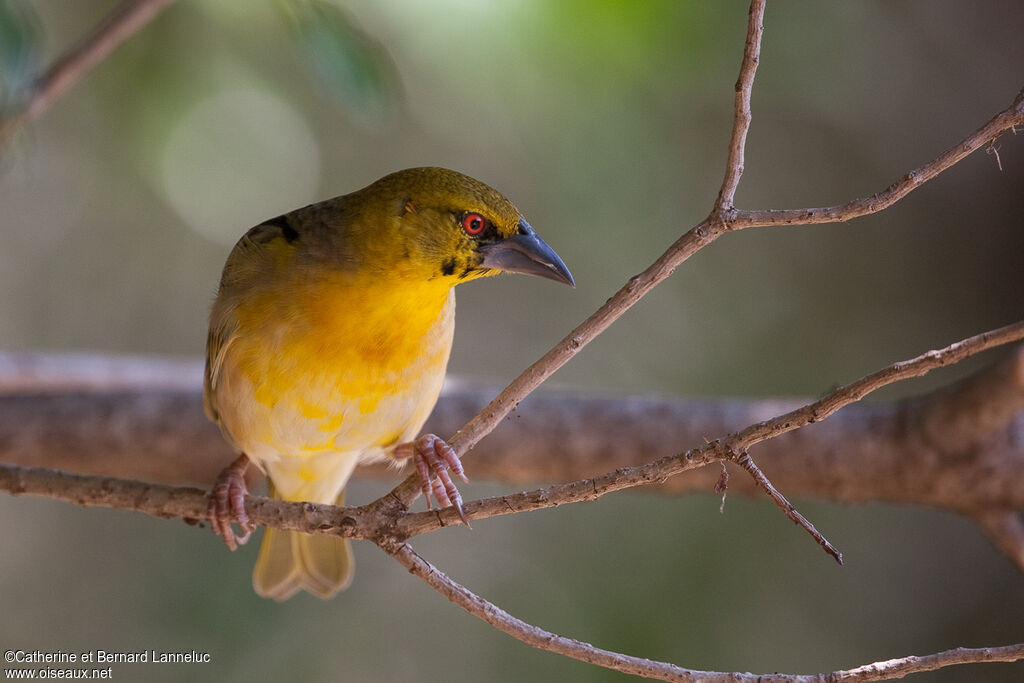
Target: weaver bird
x,y
328,343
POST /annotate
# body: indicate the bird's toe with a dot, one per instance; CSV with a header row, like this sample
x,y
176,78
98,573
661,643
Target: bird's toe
x,y
227,504
435,460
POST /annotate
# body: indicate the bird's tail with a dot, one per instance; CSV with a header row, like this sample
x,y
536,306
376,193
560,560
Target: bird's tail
x,y
290,561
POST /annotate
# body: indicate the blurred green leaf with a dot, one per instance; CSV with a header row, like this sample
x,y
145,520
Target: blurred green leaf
x,y
20,47
349,65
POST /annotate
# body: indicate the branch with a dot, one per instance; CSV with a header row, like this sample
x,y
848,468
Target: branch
x,y
532,635
741,115
687,245
191,503
843,396
120,25
722,219
89,414
731,447
385,520
373,521
637,287
747,463
585,652
984,136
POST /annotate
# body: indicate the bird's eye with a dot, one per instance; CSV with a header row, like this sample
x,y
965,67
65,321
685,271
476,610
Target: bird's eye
x,y
473,223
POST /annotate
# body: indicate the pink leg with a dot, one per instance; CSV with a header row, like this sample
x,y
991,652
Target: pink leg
x,y
227,502
434,459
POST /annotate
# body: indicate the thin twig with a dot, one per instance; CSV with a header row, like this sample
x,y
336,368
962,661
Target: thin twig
x,y
984,136
855,391
722,486
585,652
993,149
741,114
744,460
118,26
904,666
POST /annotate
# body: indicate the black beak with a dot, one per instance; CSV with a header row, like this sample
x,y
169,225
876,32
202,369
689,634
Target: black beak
x,y
527,253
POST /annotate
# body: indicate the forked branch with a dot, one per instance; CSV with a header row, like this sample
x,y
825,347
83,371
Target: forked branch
x,y
723,218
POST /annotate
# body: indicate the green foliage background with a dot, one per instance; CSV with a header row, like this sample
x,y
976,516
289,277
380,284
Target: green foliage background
x,y
607,123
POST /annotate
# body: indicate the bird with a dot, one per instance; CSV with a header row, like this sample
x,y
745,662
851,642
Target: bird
x,y
328,344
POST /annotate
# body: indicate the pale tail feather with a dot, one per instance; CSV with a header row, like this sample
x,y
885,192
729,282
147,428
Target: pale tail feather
x,y
290,561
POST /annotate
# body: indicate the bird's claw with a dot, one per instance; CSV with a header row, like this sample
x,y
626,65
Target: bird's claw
x,y
227,503
435,460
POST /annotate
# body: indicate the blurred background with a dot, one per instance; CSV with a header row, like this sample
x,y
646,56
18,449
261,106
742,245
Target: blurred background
x,y
607,123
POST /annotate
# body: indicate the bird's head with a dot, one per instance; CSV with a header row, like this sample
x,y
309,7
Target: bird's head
x,y
433,223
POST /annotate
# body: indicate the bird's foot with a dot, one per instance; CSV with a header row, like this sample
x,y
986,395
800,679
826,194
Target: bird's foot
x,y
227,503
435,460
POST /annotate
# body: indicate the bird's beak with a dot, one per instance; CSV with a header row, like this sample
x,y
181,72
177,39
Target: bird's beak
x,y
525,252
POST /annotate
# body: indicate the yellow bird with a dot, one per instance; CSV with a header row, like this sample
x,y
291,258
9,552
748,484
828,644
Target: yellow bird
x,y
328,344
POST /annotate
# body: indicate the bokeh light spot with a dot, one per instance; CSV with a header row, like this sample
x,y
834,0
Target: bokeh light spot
x,y
236,158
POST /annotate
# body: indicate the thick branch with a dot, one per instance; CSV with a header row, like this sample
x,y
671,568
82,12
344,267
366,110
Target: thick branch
x,y
120,25
369,521
142,419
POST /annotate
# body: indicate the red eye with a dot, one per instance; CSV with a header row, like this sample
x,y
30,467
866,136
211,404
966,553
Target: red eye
x,y
473,223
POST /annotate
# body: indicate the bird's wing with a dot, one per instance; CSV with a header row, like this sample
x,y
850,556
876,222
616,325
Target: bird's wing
x,y
222,333
245,265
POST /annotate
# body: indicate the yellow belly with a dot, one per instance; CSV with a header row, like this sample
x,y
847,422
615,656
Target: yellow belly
x,y
340,376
